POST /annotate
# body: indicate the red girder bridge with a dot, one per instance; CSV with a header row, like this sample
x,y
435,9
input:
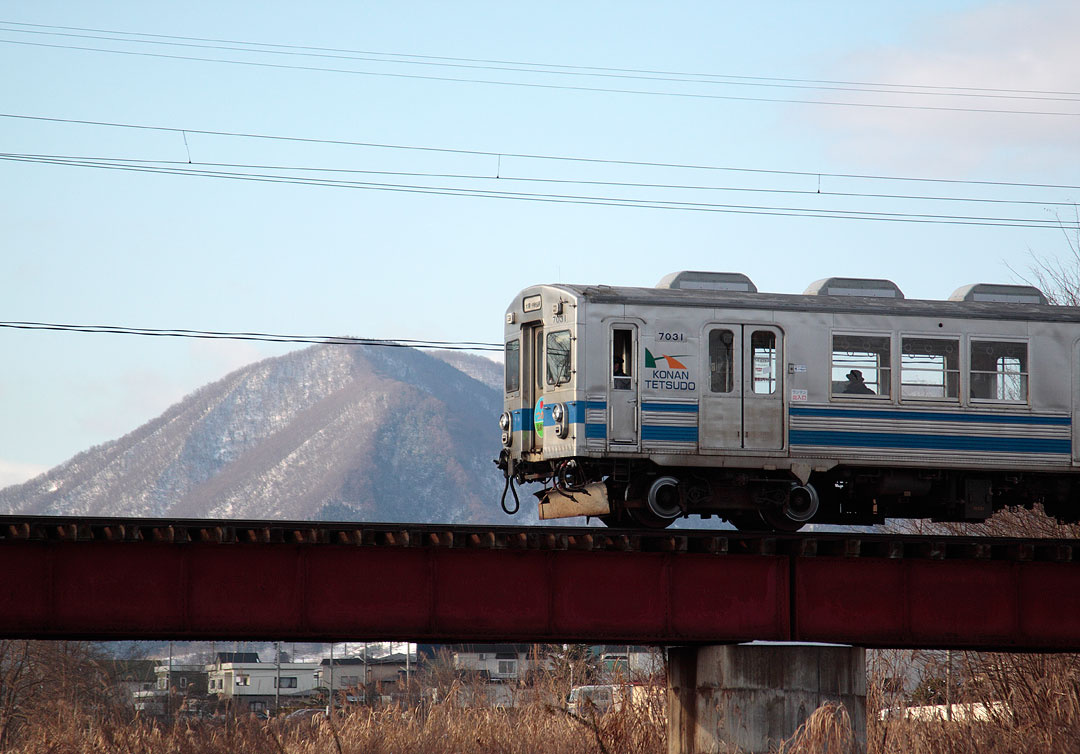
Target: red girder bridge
x,y
118,578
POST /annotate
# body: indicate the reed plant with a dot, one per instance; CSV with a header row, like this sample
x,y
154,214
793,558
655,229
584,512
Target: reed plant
x,y
1044,718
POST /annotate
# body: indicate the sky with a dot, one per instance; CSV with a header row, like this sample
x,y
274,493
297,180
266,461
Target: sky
x,y
707,136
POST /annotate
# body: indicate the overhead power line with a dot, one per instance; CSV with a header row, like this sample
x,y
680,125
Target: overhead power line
x,y
510,178
330,340
539,157
813,212
577,88
398,58
531,66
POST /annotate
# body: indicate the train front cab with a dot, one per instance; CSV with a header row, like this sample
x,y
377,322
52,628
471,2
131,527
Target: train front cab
x,y
541,344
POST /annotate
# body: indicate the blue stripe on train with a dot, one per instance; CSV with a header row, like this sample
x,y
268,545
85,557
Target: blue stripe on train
x,y
652,432
909,415
594,431
675,408
896,441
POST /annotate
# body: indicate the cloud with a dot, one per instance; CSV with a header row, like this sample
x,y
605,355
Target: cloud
x,y
1009,45
14,472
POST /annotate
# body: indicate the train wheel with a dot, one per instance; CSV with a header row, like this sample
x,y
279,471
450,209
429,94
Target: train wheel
x,y
643,518
776,520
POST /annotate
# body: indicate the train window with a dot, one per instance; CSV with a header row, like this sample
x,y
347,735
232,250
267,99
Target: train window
x,y
930,368
721,361
999,371
861,365
763,359
622,359
513,366
558,357
538,361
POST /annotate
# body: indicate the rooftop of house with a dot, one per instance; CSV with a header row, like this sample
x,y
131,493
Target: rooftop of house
x,y
237,657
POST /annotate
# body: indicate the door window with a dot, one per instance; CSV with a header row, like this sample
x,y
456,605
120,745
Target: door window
x,y
538,361
763,361
721,361
622,359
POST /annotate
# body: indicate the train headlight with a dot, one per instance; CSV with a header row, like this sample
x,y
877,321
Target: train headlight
x,y
560,414
505,423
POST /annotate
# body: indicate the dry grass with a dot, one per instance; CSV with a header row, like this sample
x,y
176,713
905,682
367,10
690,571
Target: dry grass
x,y
828,730
1052,726
1035,703
441,729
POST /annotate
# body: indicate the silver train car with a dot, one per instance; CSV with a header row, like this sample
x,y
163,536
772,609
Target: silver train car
x,y
847,404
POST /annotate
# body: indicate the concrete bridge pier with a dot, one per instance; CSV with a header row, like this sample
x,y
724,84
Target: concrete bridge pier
x,y
754,695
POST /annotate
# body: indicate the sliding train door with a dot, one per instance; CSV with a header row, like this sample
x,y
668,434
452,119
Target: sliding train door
x,y
720,408
741,405
763,396
532,384
623,426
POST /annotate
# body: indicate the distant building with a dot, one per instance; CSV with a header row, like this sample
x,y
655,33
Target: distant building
x,y
347,676
176,687
253,686
494,662
130,677
628,662
221,657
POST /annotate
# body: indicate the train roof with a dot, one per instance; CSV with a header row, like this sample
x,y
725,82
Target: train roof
x,y
980,301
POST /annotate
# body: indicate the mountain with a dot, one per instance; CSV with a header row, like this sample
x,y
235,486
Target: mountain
x,y
327,433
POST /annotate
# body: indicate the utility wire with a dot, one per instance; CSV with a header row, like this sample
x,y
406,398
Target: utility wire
x,y
331,340
507,178
520,67
580,199
265,47
561,87
540,157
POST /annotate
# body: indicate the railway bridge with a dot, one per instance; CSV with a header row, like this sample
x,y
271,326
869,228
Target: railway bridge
x,y
694,591
226,579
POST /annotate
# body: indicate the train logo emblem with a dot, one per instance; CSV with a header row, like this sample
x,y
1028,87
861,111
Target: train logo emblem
x,y
538,418
672,361
676,375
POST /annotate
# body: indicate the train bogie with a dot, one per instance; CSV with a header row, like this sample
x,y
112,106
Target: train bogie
x,y
847,404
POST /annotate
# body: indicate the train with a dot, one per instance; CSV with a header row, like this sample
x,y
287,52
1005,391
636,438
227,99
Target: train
x,y
847,404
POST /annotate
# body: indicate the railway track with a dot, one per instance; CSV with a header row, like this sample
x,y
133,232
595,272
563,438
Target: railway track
x,y
847,544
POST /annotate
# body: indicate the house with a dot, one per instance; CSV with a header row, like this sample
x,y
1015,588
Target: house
x,y
184,680
391,668
348,676
253,686
176,686
628,662
495,662
130,677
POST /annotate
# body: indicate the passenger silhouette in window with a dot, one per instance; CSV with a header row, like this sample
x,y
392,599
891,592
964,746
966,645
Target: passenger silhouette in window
x,y
618,370
856,385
